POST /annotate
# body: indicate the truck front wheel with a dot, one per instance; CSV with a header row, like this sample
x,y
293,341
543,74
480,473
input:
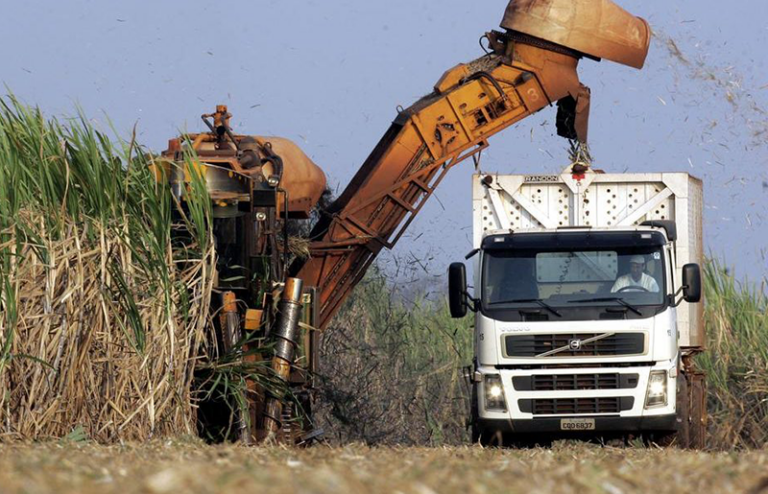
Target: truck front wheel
x,y
485,438
690,432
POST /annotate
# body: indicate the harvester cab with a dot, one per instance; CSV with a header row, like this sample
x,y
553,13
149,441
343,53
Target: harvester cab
x,y
248,171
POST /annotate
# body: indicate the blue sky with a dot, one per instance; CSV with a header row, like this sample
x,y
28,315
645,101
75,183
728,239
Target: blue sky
x,y
329,75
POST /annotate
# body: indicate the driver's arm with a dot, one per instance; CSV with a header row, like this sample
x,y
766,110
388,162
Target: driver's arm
x,y
654,285
620,283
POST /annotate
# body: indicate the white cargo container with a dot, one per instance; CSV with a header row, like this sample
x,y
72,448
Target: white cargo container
x,y
579,345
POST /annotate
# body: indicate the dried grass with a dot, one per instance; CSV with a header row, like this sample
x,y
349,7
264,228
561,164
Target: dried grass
x,y
298,247
81,355
167,467
391,371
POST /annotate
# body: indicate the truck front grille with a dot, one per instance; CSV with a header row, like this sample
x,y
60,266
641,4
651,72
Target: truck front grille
x,y
573,382
537,344
576,406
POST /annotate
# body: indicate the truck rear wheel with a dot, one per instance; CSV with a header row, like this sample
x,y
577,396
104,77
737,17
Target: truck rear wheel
x,y
697,427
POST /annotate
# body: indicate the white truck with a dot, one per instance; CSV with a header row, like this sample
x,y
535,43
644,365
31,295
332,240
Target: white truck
x,y
586,300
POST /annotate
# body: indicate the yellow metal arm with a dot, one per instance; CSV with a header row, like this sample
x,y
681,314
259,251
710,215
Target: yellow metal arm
x,y
471,103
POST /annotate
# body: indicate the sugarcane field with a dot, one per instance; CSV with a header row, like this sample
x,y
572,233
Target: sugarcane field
x,y
347,247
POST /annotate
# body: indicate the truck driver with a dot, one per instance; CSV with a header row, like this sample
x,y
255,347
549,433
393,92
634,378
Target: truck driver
x,y
636,278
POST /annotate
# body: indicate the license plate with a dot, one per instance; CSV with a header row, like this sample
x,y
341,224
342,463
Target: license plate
x,y
577,424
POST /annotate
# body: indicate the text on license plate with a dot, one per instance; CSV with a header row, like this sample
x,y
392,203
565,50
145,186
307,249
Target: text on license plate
x,y
577,424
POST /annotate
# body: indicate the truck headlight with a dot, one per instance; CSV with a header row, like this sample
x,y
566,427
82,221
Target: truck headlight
x,y
494,393
657,389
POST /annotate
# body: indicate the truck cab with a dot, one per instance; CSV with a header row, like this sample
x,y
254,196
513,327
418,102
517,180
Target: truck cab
x,y
578,328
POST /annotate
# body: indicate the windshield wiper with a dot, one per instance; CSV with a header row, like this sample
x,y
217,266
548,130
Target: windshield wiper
x,y
609,299
528,300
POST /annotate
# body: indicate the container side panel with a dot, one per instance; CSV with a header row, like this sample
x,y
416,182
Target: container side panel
x,y
690,249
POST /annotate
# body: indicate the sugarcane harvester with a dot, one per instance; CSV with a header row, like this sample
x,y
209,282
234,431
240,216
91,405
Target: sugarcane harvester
x,y
259,184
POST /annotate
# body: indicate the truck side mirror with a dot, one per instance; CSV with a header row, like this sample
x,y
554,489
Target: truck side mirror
x,y
457,289
691,283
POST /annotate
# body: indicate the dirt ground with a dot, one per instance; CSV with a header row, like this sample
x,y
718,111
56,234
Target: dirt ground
x,y
180,467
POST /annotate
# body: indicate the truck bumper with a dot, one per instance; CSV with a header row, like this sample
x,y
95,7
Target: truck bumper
x,y
604,424
619,408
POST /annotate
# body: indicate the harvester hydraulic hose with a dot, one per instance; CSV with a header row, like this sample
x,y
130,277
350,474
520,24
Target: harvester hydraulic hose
x,y
285,231
489,78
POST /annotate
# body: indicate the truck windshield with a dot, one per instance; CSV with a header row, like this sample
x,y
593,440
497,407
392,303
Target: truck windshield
x,y
626,277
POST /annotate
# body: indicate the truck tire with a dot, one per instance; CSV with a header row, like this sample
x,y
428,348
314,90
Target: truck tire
x,y
691,430
473,425
683,434
485,438
680,436
697,427
527,441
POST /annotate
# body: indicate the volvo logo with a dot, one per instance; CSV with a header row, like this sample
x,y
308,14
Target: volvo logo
x,y
574,344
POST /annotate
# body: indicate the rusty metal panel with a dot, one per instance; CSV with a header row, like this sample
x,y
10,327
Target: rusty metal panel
x,y
305,182
599,28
